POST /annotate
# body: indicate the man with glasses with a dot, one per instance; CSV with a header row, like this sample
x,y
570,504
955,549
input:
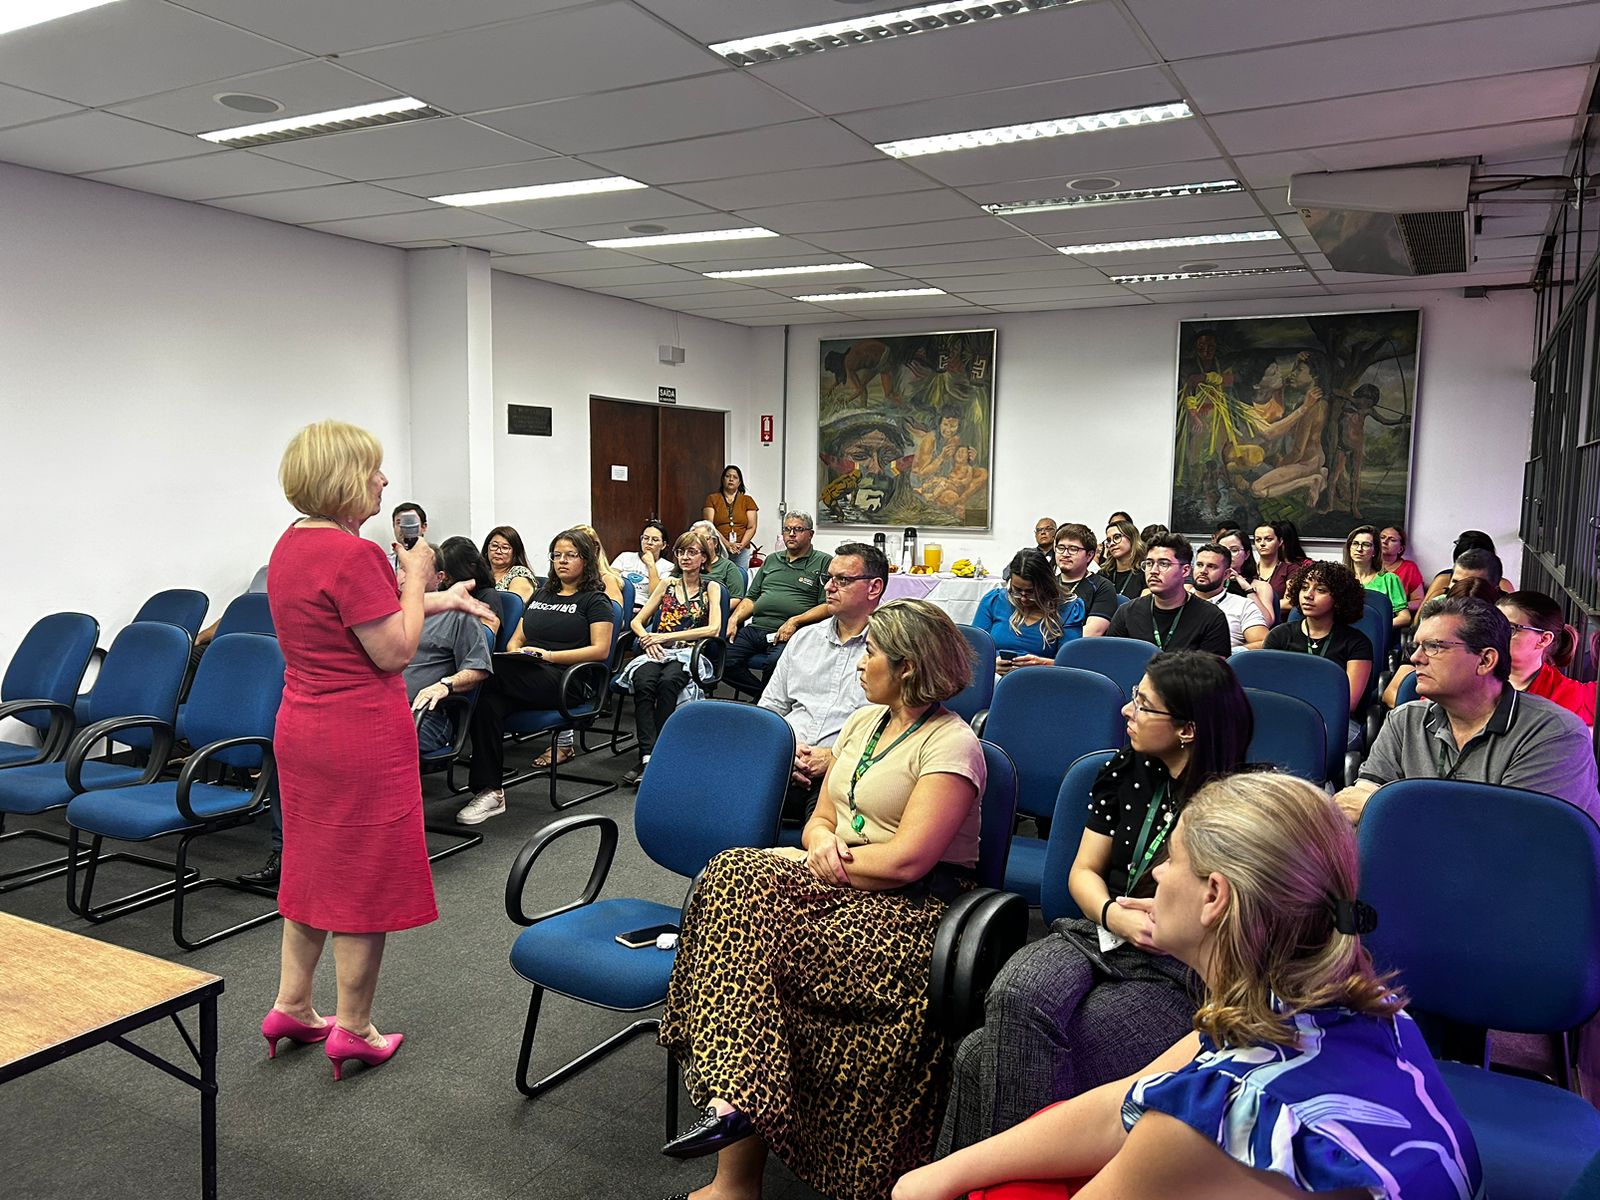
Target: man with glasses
x,y
1075,550
1213,567
814,685
786,595
1471,723
1044,535
1170,616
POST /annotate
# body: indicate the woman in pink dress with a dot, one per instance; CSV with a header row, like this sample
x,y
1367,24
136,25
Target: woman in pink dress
x,y
355,862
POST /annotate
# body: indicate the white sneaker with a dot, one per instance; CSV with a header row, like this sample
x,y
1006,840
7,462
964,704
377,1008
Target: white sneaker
x,y
482,806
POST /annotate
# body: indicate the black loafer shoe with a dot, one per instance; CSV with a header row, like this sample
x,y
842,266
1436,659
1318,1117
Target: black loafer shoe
x,y
267,876
631,779
710,1134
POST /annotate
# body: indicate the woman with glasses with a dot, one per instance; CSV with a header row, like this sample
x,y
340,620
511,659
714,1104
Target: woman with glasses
x,y
1392,551
1027,618
1119,562
1075,549
643,569
1097,999
1361,558
503,551
1542,648
1331,600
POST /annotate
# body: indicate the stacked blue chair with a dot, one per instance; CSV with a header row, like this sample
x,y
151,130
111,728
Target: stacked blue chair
x,y
1046,718
681,825
41,683
183,607
249,613
134,704
1522,957
1121,660
1289,734
233,708
1319,682
979,694
1066,832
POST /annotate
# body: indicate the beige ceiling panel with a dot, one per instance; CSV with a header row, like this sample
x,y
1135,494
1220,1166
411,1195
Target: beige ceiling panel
x,y
725,20
1043,295
410,148
331,26
568,260
228,173
931,233
1108,218
483,179
1068,278
966,253
688,286
18,107
864,213
1156,175
797,145
731,256
613,209
1229,256
1103,153
1126,299
883,177
520,243
303,87
300,206
624,276
444,223
93,141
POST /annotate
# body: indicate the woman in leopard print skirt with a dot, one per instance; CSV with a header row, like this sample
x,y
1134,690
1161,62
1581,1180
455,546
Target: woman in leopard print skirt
x,y
798,1003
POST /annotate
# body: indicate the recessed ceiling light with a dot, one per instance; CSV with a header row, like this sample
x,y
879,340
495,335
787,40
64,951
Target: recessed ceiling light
x,y
1175,275
1092,183
19,14
1023,208
1202,239
646,227
1194,267
865,295
1002,135
361,116
248,102
684,239
539,191
764,272
879,27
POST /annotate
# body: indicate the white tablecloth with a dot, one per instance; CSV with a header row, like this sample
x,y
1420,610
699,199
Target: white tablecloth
x,y
958,597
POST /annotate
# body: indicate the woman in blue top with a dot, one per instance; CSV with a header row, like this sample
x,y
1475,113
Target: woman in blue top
x,y
1303,1075
1025,617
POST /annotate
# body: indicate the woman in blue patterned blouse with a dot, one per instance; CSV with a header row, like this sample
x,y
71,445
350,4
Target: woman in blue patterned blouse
x,y
1303,1075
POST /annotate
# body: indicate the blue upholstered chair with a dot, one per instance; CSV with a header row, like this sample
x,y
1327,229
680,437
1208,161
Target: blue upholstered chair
x,y
1066,831
183,607
1383,633
1289,734
41,683
681,824
512,606
1488,902
248,613
232,710
1046,718
134,703
1121,660
979,694
1319,682
1407,691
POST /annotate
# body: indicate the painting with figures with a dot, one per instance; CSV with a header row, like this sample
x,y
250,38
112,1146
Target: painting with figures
x,y
1305,419
906,430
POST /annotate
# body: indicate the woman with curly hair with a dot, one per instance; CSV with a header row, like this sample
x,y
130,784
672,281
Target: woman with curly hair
x,y
1331,600
1304,1074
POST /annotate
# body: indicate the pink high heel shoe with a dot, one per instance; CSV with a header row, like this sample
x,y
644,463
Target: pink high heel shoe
x,y
342,1046
277,1025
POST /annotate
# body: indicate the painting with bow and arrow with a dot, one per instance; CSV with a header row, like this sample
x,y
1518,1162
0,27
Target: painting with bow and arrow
x,y
1305,419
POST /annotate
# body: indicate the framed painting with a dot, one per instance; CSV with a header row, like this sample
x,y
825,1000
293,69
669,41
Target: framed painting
x,y
1305,419
906,430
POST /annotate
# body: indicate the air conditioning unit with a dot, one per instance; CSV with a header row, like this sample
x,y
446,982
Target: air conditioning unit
x,y
1389,221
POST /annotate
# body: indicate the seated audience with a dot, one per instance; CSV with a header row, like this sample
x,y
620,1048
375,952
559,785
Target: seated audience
x,y
1095,999
1044,536
1247,627
641,569
1243,580
719,566
1361,558
1289,551
399,510
1119,562
1542,647
1392,550
503,551
1476,725
570,620
787,594
1152,531
1331,600
458,560
798,1002
686,609
1272,567
1025,618
1473,586
1075,547
1170,616
1470,539
815,687
452,658
1304,1075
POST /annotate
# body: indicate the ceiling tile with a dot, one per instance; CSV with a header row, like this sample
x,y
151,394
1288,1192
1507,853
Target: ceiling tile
x,y
483,179
130,49
303,87
409,148
1033,295
321,27
1111,217
614,210
796,145
643,116
1048,264
18,106
882,177
768,310
228,173
864,213
520,243
93,141
444,223
623,276
686,286
725,20
1229,255
871,280
730,256
1066,276
568,260
300,206
961,252
1106,152
1156,175
814,318
931,233
1127,298
542,58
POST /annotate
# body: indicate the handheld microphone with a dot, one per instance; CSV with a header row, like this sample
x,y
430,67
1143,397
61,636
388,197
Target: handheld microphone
x,y
410,526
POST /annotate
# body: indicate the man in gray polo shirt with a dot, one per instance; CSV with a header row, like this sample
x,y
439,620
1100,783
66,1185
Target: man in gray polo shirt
x,y
1471,723
452,658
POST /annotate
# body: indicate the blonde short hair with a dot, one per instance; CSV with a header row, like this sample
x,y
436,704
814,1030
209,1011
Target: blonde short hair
x,y
327,467
922,636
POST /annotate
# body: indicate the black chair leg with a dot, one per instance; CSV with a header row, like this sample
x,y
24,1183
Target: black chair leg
x,y
585,1060
601,787
461,840
21,877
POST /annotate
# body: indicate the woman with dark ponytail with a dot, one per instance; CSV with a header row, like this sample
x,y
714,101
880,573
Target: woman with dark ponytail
x,y
1542,647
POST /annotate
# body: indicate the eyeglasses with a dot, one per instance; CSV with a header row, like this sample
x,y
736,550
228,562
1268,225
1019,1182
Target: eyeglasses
x,y
1363,545
1072,548
840,581
1533,629
499,548
1158,564
795,530
1434,647
1020,593
1140,704
565,555
1115,537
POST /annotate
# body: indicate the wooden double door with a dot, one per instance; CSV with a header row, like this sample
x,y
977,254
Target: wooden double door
x,y
672,458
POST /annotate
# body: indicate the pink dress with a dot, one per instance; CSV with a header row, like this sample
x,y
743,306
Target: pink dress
x,y
354,855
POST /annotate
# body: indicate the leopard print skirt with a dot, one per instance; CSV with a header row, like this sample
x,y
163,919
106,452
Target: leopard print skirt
x,y
804,1005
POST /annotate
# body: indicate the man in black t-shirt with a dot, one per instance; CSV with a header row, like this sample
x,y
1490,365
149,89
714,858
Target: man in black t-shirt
x,y
1075,550
1169,616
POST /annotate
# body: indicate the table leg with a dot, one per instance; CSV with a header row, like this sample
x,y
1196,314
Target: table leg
x,y
208,1098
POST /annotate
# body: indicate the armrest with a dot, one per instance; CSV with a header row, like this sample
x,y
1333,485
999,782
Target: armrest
x,y
56,735
1352,767
942,964
160,748
460,705
193,765
979,720
714,650
995,930
546,837
570,679
1376,715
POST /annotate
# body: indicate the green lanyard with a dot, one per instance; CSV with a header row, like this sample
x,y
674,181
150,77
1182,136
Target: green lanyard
x,y
1161,642
1141,855
1321,648
868,760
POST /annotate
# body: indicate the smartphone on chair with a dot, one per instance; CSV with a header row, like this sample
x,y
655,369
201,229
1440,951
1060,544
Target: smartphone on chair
x,y
639,939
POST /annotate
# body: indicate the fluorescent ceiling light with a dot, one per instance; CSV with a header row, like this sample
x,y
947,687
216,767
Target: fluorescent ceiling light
x,y
683,239
337,120
540,191
1002,135
1174,275
19,14
883,295
765,272
1202,239
859,31
1022,208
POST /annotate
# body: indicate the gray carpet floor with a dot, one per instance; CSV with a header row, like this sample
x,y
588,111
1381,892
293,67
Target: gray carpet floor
x,y
443,1119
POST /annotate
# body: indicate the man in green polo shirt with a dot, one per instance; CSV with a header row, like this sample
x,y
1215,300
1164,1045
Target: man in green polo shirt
x,y
785,596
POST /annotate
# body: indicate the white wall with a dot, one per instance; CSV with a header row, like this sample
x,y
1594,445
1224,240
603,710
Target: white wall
x,y
1083,416
556,346
155,357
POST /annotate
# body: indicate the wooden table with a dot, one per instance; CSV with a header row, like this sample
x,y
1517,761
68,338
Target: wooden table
x,y
61,993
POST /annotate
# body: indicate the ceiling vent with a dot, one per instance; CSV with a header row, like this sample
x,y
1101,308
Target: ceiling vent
x,y
1392,221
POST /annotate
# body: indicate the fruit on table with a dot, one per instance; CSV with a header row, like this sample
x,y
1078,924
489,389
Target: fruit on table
x,y
963,568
